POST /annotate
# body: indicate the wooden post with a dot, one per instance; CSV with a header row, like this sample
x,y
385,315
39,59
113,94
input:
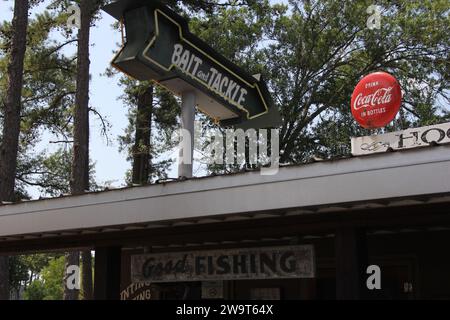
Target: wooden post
x,y
107,273
351,263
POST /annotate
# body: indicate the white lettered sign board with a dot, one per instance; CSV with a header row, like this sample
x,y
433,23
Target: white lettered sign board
x,y
400,140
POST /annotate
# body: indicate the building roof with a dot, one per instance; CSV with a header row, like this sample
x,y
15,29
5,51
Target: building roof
x,y
388,179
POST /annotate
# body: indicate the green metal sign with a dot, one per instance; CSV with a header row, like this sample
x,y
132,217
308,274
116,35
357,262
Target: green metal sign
x,y
159,47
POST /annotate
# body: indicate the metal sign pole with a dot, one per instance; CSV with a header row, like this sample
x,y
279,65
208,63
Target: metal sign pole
x,y
188,102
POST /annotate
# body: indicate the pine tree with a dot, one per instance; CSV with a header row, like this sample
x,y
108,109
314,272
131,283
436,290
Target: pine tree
x,y
80,163
153,116
142,146
11,122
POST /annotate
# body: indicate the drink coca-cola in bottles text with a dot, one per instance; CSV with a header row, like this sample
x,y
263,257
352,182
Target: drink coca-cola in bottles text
x,y
376,100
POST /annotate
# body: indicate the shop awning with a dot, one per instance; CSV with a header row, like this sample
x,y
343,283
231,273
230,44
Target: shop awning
x,y
389,179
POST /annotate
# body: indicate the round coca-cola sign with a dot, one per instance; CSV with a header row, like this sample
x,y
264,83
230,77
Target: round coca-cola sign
x,y
376,100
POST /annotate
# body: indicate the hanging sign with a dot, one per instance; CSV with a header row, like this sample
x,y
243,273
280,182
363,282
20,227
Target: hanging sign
x,y
376,100
254,263
401,140
160,47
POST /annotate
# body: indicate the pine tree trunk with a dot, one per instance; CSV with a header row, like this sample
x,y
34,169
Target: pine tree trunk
x,y
11,126
142,144
86,259
72,259
4,278
80,162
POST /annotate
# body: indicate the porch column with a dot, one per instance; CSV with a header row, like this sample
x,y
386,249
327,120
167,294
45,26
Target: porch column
x,y
107,273
188,103
351,263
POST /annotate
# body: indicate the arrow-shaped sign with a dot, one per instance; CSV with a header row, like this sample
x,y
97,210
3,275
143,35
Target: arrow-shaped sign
x,y
160,47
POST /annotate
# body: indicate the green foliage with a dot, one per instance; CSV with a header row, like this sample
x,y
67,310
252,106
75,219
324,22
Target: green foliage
x,y
50,285
47,99
313,53
25,270
35,291
18,272
164,119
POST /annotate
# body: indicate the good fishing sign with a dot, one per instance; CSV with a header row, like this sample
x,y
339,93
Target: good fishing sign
x,y
234,264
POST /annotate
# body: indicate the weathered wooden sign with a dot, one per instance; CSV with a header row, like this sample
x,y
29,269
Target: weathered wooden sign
x,y
406,139
235,264
137,291
160,47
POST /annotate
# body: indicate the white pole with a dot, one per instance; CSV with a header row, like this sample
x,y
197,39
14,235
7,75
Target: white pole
x,y
188,102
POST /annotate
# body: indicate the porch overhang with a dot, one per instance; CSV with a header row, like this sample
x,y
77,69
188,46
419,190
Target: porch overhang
x,y
389,180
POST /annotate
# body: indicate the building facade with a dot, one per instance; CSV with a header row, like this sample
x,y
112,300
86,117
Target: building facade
x,y
309,232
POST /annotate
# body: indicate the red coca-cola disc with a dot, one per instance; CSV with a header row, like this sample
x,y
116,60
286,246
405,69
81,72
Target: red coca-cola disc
x,y
376,100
